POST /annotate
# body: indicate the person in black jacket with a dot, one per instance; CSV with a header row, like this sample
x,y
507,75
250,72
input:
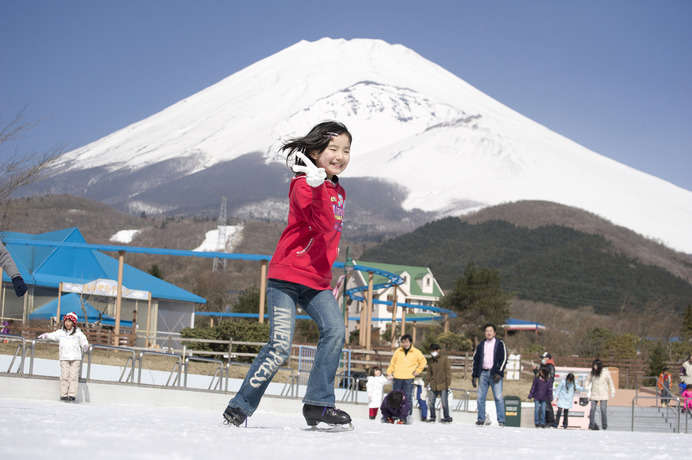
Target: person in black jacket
x,y
549,364
489,362
395,408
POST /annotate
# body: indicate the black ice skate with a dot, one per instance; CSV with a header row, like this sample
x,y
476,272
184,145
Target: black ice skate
x,y
233,416
337,420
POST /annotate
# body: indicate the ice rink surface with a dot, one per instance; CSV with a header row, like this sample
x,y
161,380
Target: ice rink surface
x,y
33,429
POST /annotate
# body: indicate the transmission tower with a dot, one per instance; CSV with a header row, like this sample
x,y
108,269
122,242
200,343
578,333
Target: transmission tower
x,y
221,240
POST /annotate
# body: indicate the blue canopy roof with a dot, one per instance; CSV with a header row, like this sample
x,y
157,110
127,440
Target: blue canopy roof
x,y
49,266
72,303
514,324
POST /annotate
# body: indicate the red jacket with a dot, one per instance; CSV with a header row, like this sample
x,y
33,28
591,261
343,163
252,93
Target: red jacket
x,y
309,244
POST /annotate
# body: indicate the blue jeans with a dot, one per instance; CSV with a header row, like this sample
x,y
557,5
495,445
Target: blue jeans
x,y
282,297
405,385
485,381
444,397
539,412
422,403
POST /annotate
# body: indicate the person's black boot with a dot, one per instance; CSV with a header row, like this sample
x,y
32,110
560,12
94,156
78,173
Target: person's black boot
x,y
330,415
234,416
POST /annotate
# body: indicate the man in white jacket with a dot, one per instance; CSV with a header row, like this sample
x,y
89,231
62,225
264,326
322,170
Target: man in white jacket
x,y
72,343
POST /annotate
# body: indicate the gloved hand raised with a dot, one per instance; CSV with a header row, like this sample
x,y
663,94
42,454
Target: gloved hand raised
x,y
314,176
19,286
43,336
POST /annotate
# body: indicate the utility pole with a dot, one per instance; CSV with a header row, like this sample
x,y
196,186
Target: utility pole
x,y
221,239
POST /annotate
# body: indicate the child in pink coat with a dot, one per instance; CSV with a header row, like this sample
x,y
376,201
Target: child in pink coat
x,y
687,399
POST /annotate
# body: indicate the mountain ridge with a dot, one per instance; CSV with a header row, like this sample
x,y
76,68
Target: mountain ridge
x,y
416,127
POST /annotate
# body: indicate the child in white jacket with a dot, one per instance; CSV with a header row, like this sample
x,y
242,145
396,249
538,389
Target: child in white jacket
x,y
72,343
375,388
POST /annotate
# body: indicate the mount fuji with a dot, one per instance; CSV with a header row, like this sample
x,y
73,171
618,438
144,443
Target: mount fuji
x,y
426,144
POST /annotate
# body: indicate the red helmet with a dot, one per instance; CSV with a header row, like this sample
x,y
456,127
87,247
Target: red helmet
x,y
71,316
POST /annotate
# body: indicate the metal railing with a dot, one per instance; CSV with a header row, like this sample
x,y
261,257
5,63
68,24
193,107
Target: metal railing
x,y
178,376
219,373
290,387
130,360
664,400
178,365
352,386
21,348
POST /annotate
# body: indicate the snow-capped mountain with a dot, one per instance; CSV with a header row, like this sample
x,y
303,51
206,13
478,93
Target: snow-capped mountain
x,y
425,142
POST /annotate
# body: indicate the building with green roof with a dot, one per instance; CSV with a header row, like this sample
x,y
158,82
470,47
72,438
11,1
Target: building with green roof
x,y
420,288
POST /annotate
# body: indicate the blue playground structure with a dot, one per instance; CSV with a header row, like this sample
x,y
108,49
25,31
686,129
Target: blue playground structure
x,y
353,293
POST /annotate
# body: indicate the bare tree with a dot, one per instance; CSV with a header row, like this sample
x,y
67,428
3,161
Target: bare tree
x,y
18,169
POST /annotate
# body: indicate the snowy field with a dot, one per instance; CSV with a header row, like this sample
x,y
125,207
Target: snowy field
x,y
33,429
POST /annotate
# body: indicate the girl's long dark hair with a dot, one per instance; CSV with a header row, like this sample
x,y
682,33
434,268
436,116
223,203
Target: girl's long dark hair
x,y
316,140
569,379
543,372
599,367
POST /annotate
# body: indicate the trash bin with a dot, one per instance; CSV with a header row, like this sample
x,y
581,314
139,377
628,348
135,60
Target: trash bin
x,y
512,411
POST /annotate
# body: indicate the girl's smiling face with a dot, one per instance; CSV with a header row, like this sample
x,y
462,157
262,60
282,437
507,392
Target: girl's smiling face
x,y
335,157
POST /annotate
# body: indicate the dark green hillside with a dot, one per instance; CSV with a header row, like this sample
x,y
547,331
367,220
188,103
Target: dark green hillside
x,y
552,264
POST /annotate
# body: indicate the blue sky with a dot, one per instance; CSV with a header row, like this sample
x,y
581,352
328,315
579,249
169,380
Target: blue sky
x,y
612,75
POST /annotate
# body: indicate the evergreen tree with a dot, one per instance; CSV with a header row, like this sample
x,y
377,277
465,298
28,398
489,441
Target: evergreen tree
x,y
686,328
622,346
657,359
594,342
248,301
479,299
154,270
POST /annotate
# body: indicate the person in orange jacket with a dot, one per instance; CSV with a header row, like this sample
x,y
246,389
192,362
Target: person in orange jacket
x,y
664,384
407,363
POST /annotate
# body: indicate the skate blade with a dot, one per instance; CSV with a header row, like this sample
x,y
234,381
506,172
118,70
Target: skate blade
x,y
228,423
326,428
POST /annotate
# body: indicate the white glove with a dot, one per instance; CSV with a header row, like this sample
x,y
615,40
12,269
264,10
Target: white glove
x,y
612,394
43,336
85,348
314,176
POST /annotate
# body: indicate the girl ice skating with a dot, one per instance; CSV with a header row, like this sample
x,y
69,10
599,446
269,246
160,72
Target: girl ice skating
x,y
72,343
300,274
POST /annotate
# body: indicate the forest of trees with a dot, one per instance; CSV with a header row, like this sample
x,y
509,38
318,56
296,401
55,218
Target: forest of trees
x,y
551,264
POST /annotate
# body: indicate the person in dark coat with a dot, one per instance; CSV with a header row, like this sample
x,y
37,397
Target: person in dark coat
x,y
489,362
547,361
439,380
542,393
395,408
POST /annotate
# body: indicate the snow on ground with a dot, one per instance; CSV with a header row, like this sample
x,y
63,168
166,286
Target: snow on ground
x,y
211,239
124,236
49,429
